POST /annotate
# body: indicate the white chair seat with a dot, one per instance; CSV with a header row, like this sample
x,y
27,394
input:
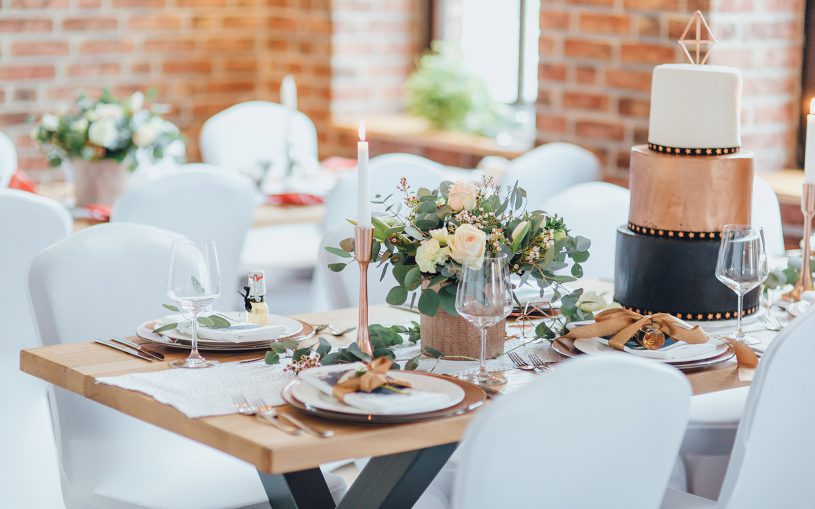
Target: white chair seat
x,y
718,409
680,500
288,247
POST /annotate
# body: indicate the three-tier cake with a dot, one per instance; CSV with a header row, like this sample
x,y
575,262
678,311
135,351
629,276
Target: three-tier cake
x,y
686,184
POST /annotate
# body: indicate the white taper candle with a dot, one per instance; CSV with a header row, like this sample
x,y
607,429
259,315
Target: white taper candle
x,y
363,188
809,155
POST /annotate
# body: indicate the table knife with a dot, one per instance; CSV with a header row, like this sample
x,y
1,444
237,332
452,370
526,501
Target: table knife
x,y
135,346
126,350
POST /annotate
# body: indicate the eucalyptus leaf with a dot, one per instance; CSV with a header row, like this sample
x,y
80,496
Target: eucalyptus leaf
x,y
205,321
412,278
197,286
337,251
323,348
300,353
412,364
337,267
165,327
272,358
577,270
582,243
432,352
429,302
219,322
172,308
278,348
397,296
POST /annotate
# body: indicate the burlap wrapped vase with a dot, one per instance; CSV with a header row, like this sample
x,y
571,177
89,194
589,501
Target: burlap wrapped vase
x,y
455,336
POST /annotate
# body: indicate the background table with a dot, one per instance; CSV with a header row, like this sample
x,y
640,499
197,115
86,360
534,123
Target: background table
x,y
407,456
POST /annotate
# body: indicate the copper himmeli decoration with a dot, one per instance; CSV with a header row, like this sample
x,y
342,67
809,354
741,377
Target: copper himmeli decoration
x,y
703,37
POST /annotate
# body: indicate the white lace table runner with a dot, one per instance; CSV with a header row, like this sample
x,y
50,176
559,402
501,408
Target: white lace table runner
x,y
206,392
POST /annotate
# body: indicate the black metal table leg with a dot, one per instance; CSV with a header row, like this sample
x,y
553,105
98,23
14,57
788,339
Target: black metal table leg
x,y
396,481
305,489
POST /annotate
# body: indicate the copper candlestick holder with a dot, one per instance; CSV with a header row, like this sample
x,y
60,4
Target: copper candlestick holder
x,y
804,283
363,242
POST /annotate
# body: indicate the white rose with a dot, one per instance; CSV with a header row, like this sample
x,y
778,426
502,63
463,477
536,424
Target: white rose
x,y
467,246
462,195
429,254
107,111
145,135
50,122
103,133
136,101
440,235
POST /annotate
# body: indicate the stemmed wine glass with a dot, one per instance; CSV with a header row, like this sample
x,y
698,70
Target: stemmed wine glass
x,y
742,266
484,298
193,284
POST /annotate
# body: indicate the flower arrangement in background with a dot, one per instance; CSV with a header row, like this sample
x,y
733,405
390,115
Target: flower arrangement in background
x,y
106,128
442,91
459,224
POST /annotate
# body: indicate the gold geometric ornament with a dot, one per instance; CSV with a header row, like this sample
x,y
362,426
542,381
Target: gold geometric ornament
x,y
702,42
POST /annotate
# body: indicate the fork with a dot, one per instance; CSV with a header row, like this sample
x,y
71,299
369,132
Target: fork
x,y
242,405
539,362
339,332
268,414
520,363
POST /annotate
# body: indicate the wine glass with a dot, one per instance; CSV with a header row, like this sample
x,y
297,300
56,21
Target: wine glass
x,y
742,266
193,284
484,298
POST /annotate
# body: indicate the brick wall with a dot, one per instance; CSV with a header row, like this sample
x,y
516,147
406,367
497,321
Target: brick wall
x,y
200,55
597,57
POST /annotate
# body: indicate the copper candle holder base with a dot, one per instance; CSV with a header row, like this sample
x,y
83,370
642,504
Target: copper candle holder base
x,y
804,283
363,242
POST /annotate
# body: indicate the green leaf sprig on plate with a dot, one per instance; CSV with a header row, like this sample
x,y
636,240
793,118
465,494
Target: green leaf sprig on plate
x,y
213,321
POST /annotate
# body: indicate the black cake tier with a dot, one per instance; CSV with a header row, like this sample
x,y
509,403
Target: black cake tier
x,y
666,275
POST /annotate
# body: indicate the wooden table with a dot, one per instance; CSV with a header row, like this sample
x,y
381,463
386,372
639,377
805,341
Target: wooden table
x,y
406,456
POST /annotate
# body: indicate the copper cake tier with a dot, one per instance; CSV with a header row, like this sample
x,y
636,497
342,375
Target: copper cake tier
x,y
688,197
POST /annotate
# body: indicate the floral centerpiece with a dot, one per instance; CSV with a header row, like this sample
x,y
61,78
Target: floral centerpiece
x,y
429,235
102,138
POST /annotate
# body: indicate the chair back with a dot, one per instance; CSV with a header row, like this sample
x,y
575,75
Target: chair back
x,y
773,457
594,210
30,224
549,169
599,431
384,174
202,205
766,214
248,134
8,160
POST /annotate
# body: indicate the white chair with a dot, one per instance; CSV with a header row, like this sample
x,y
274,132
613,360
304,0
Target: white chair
x,y
200,204
29,475
549,169
8,159
595,432
593,210
103,282
248,134
766,213
773,456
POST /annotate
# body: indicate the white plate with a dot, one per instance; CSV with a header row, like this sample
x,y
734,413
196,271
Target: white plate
x,y
310,395
277,327
593,346
147,334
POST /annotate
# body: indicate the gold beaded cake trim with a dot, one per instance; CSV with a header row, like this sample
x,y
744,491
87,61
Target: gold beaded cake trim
x,y
718,315
693,151
674,234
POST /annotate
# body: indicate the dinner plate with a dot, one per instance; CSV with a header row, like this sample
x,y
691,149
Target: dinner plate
x,y
594,346
474,398
312,396
277,327
145,331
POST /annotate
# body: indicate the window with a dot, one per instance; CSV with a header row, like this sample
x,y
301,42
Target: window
x,y
498,41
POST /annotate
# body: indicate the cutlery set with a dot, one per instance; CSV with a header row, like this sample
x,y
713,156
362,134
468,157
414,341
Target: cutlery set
x,y
267,413
538,364
131,348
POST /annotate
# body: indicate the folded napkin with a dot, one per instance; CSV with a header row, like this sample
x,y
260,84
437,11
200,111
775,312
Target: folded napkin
x,y
238,332
676,351
294,199
328,379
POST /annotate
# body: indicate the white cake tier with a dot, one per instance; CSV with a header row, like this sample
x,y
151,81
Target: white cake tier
x,y
695,106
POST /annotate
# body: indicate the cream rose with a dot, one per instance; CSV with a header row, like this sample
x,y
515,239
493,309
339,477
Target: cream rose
x,y
429,254
467,246
462,195
50,122
103,133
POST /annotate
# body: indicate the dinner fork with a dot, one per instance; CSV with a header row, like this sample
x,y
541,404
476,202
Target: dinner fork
x,y
539,362
520,363
242,405
268,414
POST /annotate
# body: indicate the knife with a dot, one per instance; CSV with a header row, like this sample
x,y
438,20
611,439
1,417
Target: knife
x,y
135,346
125,350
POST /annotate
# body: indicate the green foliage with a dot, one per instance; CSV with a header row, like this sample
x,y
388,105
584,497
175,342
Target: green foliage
x,y
442,91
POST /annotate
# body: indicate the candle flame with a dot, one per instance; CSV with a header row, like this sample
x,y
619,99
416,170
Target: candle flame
x,y
812,106
362,129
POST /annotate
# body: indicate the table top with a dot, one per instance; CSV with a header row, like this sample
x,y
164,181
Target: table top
x,y
76,366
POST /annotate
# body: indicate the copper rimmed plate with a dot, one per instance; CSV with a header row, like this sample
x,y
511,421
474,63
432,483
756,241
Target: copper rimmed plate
x,y
145,331
474,397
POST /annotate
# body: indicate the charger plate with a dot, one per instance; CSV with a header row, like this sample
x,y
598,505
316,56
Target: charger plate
x,y
474,397
145,331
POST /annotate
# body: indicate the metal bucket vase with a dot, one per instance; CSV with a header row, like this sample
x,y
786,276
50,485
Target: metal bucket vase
x,y
455,336
97,182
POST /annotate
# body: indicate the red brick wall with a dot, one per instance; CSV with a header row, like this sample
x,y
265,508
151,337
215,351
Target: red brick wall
x,y
201,56
597,57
